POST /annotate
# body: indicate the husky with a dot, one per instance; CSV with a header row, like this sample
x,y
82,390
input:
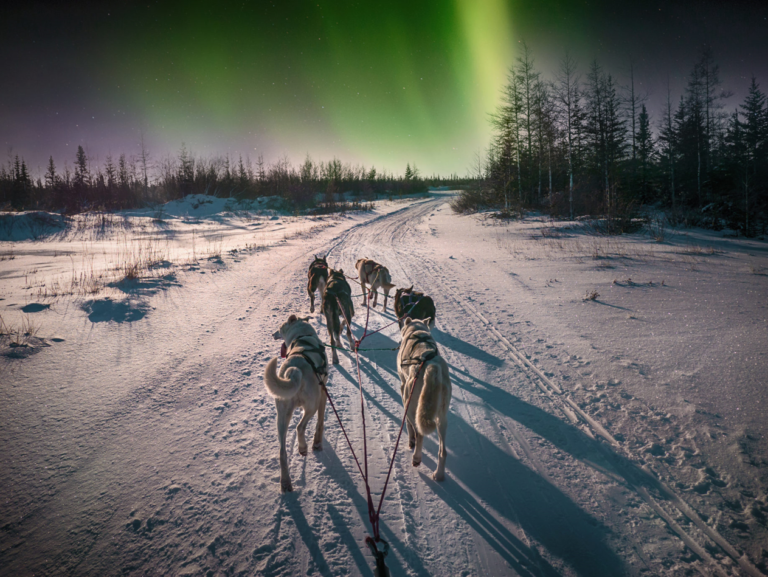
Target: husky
x,y
430,387
318,277
299,383
338,309
415,305
375,275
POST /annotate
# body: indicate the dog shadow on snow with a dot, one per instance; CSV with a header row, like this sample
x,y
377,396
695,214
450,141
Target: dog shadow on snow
x,y
480,473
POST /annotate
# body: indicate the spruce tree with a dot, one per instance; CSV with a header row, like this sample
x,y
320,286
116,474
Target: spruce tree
x,y
644,153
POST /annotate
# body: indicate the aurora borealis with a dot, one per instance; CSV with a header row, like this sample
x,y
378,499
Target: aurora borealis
x,y
380,83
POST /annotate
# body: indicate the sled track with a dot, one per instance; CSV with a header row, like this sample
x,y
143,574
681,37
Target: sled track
x,y
395,231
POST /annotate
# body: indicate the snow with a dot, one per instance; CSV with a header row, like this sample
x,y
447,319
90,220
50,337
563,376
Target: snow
x,y
620,435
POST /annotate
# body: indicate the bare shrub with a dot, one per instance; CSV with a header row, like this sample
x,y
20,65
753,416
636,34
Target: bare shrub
x,y
591,295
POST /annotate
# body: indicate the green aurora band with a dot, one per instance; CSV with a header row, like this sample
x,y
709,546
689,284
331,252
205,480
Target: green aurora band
x,y
409,82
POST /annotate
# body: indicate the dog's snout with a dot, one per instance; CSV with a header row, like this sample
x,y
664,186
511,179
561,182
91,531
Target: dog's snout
x,y
277,336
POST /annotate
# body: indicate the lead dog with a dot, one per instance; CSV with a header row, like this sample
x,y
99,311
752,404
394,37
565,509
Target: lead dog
x,y
409,303
377,276
299,383
430,387
318,277
338,309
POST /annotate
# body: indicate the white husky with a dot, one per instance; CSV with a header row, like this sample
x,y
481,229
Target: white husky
x,y
377,276
431,389
299,383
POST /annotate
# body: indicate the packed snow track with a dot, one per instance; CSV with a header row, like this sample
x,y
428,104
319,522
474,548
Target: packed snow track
x,y
150,447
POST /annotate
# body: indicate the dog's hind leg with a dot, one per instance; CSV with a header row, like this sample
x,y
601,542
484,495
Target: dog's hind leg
x,y
334,344
311,292
411,434
283,419
375,293
362,286
317,442
442,429
301,431
416,461
321,288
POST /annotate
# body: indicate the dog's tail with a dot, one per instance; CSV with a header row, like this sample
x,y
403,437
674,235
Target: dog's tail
x,y
278,387
429,399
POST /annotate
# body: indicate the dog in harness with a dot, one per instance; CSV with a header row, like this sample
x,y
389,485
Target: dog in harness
x,y
338,309
377,276
424,374
298,383
318,277
414,305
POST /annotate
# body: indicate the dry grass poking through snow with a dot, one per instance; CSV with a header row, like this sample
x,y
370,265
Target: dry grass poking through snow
x,y
18,335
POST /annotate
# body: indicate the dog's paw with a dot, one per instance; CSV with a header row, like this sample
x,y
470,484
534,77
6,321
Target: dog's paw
x,y
416,462
438,476
411,444
286,487
303,452
335,361
317,446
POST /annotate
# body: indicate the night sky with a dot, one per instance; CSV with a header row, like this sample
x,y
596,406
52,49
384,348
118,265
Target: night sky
x,y
380,83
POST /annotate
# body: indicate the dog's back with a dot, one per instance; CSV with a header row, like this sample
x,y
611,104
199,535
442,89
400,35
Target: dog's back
x,y
418,353
337,300
414,305
318,271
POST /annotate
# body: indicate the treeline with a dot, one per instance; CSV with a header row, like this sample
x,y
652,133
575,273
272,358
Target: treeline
x,y
135,181
585,145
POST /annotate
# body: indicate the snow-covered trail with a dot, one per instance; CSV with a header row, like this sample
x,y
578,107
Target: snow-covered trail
x,y
150,447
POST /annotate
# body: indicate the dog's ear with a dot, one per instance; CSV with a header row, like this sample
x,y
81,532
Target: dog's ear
x,y
409,289
407,321
427,321
340,271
292,319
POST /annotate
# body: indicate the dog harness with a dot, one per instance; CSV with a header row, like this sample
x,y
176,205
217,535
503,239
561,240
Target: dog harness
x,y
310,348
318,264
418,347
409,301
376,268
337,286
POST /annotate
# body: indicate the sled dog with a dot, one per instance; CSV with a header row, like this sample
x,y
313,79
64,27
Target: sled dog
x,y
298,383
375,275
318,277
430,387
415,305
338,309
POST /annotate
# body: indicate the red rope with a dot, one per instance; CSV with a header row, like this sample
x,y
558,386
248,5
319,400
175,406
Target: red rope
x,y
373,512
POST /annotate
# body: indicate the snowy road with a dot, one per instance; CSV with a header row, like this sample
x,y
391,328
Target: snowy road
x,y
149,447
